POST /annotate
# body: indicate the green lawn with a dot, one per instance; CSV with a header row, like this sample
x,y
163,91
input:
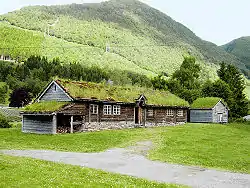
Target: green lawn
x,y
25,172
216,146
206,145
81,142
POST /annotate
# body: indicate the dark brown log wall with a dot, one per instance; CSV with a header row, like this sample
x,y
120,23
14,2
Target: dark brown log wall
x,y
127,114
160,116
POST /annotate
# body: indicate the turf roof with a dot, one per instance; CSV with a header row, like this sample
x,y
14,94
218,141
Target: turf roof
x,y
128,94
46,106
208,102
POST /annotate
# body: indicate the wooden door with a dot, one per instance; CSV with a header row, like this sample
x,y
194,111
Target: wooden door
x,y
137,115
220,118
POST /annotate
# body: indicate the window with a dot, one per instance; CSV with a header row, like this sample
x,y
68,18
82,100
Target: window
x,y
180,113
94,109
107,109
170,112
150,113
116,110
55,87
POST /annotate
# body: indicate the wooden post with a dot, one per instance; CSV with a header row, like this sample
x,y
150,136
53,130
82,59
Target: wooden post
x,y
175,115
71,124
140,116
145,117
155,116
98,116
54,124
22,123
89,113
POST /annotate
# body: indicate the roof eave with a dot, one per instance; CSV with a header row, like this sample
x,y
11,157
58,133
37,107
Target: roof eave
x,y
201,108
37,113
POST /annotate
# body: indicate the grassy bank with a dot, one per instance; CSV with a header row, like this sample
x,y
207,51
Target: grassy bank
x,y
207,145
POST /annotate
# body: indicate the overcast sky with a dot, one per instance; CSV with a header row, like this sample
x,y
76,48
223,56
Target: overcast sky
x,y
218,21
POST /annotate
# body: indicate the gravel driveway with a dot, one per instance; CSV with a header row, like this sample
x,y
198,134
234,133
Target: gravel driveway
x,y
124,161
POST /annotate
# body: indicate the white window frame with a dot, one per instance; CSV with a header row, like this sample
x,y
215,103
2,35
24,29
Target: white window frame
x,y
170,112
150,112
117,110
180,113
107,110
94,109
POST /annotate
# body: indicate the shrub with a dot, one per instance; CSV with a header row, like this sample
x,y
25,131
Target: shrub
x,y
237,120
4,123
16,125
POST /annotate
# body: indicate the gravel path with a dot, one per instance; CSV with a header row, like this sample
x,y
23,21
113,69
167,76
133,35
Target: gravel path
x,y
124,161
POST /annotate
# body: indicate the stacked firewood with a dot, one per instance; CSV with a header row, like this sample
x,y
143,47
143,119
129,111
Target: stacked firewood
x,y
63,130
77,128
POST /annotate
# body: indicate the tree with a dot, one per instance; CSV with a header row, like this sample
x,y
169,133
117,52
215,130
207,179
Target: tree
x,y
19,98
4,123
222,72
3,92
207,89
217,89
189,95
159,82
185,81
13,82
188,73
232,76
5,70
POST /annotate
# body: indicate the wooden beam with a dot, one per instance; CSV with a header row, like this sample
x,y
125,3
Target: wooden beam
x,y
145,117
71,124
89,113
54,124
139,115
22,123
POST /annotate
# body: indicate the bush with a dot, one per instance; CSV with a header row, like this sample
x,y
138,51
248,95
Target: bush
x,y
4,123
237,120
16,125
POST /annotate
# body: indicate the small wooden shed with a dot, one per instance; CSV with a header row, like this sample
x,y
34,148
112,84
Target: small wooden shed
x,y
209,110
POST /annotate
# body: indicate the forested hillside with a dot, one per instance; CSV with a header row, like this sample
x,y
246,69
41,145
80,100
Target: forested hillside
x,y
118,34
241,49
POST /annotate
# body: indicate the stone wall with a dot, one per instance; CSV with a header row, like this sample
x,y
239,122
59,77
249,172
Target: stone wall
x,y
98,126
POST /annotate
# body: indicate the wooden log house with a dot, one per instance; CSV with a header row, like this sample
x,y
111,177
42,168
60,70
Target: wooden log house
x,y
68,107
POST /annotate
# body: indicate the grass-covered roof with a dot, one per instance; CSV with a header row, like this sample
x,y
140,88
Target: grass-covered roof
x,y
207,102
47,106
127,94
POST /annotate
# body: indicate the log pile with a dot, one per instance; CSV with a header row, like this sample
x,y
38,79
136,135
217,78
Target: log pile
x,y
63,130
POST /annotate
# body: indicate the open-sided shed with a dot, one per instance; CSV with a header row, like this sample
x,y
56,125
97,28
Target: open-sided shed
x,y
209,110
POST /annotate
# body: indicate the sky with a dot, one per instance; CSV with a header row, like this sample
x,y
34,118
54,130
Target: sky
x,y
217,21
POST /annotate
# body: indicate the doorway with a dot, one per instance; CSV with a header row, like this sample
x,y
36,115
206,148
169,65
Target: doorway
x,y
137,117
220,118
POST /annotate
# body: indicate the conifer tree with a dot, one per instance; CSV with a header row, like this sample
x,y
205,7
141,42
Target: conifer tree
x,y
232,76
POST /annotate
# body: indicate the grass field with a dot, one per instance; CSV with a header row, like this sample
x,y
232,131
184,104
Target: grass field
x,y
207,145
25,172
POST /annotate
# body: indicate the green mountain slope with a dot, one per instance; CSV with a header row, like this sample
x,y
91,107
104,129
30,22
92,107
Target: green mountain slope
x,y
240,48
22,43
138,37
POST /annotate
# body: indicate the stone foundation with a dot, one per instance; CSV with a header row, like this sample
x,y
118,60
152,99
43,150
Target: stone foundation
x,y
98,126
